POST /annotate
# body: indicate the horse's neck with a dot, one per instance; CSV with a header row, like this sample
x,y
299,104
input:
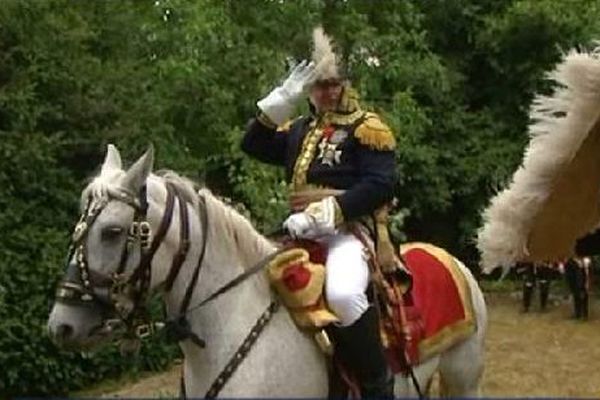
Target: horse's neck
x,y
224,322
231,245
281,352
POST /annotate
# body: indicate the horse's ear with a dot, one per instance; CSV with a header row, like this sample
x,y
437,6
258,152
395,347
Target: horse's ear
x,y
138,173
112,160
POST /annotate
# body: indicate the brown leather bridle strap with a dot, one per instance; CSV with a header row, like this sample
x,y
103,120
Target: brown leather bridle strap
x,y
165,223
184,244
190,289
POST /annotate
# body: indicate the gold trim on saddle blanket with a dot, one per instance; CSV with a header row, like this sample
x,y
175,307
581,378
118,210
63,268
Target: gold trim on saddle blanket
x,y
460,330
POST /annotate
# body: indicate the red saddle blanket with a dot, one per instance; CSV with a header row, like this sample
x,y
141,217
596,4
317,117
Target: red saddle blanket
x,y
432,316
435,314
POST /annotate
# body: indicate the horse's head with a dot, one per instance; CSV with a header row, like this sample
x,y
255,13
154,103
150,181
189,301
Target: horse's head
x,y
107,277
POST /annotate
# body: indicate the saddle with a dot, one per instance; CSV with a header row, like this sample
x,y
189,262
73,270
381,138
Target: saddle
x,y
424,305
298,276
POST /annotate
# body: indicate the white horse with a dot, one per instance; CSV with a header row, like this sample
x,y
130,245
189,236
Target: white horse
x,y
284,362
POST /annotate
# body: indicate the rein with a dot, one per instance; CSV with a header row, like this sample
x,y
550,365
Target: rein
x,y
180,328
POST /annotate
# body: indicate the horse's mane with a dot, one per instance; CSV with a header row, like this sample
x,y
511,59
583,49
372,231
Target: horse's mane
x,y
97,186
187,188
231,229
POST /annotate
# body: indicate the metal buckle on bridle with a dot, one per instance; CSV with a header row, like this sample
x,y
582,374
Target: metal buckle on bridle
x,y
134,231
142,231
119,282
70,291
145,233
144,330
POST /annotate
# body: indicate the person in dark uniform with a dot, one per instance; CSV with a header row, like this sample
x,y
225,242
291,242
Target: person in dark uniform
x,y
580,279
340,166
539,275
577,274
544,274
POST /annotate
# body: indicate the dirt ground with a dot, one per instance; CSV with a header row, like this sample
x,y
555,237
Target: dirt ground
x,y
528,355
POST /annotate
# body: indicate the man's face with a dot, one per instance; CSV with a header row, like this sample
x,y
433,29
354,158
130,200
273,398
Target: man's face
x,y
325,96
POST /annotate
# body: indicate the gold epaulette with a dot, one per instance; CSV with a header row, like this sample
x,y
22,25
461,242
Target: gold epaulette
x,y
374,133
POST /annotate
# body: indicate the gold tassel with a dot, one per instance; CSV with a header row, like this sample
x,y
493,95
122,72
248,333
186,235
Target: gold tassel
x,y
386,256
374,133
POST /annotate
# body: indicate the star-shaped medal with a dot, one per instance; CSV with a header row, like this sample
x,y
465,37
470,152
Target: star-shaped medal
x,y
329,154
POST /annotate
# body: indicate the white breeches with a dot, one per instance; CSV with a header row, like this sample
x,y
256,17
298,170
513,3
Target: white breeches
x,y
347,277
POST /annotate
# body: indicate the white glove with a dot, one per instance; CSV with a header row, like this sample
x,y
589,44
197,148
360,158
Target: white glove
x,y
298,224
319,219
280,103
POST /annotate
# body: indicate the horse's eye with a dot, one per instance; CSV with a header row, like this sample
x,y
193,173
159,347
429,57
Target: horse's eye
x,y
112,232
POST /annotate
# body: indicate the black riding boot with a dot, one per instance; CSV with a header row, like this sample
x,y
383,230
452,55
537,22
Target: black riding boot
x,y
544,292
527,293
362,351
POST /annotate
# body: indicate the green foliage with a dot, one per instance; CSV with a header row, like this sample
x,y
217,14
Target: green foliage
x,y
59,107
452,78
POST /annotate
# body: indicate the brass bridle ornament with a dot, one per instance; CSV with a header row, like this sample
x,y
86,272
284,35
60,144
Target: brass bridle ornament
x,y
121,294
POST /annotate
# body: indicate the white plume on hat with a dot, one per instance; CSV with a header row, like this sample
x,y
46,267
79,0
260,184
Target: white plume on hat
x,y
323,55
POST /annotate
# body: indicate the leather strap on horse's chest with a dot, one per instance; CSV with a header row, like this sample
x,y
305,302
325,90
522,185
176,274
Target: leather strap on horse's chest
x,y
238,357
241,353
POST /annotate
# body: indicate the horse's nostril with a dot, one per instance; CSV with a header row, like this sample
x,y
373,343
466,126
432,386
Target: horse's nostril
x,y
64,332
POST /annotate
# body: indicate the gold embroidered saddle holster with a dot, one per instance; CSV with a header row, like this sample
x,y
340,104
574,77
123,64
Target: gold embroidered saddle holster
x,y
298,276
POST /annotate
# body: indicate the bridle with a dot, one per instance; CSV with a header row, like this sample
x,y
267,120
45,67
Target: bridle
x,y
121,294
125,295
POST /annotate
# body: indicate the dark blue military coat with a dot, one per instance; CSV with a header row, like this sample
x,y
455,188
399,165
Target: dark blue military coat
x,y
349,149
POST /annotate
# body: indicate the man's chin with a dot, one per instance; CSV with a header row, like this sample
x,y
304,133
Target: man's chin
x,y
325,108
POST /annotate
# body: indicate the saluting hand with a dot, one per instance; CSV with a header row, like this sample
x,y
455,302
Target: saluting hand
x,y
301,77
280,103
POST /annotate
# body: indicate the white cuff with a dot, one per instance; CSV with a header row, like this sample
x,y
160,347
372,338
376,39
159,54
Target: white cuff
x,y
325,215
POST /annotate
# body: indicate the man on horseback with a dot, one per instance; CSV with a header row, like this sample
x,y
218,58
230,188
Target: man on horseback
x,y
340,163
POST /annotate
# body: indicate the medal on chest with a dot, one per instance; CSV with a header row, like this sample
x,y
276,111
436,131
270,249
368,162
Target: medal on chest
x,y
329,153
